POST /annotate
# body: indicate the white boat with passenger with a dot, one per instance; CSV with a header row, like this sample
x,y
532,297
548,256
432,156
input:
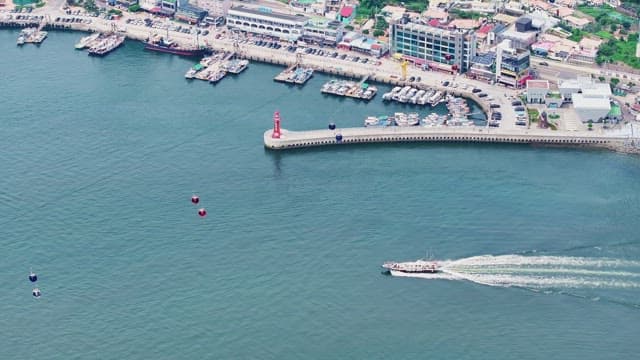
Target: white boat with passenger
x,y
412,267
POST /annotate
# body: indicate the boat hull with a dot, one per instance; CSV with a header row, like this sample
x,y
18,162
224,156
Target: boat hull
x,y
168,50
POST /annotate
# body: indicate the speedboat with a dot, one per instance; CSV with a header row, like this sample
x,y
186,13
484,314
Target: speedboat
x,y
412,267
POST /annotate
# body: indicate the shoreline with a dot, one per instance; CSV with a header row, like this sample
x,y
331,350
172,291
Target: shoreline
x,y
387,73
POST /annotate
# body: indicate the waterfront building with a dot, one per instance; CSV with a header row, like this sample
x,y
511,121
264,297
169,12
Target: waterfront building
x,y
168,7
283,26
537,91
591,100
323,32
512,65
369,46
483,67
190,13
438,48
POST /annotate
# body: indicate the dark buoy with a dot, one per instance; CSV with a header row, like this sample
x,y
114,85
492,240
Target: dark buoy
x,y
332,126
338,137
195,199
36,293
202,212
33,277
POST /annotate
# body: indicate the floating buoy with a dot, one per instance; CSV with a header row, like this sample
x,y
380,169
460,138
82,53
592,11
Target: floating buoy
x,y
202,212
36,293
338,137
332,126
33,277
195,199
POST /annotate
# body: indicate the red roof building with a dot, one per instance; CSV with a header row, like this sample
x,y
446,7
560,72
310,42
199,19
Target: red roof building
x,y
346,11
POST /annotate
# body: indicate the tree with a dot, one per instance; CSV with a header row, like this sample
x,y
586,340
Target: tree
x,y
614,27
626,25
365,31
590,125
378,32
601,78
90,6
134,8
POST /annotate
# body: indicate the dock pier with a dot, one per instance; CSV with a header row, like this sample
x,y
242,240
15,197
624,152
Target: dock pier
x,y
281,139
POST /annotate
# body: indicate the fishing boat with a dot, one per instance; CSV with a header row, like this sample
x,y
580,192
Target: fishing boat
x,y
165,45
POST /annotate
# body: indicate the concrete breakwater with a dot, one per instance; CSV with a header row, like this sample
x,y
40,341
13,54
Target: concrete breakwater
x,y
303,139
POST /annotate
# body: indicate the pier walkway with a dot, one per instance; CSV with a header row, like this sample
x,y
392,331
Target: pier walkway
x,y
620,140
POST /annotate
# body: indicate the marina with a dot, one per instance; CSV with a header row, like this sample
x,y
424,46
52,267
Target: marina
x,y
31,35
295,74
412,95
215,67
361,90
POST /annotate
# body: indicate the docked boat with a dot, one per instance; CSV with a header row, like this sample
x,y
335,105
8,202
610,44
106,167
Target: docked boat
x,y
159,43
21,40
371,121
217,76
413,267
86,40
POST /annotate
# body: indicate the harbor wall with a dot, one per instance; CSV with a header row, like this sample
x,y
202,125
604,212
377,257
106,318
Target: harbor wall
x,y
305,139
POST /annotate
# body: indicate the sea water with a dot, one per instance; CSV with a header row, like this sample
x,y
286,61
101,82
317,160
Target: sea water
x,y
99,158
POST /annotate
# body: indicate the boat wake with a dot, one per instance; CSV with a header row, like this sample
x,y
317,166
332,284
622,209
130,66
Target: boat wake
x,y
539,272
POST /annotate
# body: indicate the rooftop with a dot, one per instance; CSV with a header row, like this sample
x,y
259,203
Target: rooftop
x,y
346,11
486,59
299,18
581,102
537,84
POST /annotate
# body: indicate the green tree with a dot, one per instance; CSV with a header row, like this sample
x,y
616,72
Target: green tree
x,y
626,25
134,8
614,27
378,32
90,6
601,78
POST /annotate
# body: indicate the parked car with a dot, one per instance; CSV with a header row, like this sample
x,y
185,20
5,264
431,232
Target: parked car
x,y
482,95
475,91
494,106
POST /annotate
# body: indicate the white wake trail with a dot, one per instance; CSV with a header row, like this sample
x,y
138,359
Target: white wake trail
x,y
539,272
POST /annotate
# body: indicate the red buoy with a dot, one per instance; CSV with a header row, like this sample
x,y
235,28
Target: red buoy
x,y
195,199
202,212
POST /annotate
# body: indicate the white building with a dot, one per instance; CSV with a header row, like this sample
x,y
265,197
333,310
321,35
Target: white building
x,y
283,26
537,91
591,100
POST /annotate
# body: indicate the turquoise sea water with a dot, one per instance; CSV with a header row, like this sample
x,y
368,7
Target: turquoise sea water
x,y
99,157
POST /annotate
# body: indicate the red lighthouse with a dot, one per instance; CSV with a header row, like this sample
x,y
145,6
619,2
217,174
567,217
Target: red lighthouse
x,y
276,125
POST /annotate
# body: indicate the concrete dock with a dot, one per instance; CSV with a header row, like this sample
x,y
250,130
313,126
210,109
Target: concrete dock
x,y
616,140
